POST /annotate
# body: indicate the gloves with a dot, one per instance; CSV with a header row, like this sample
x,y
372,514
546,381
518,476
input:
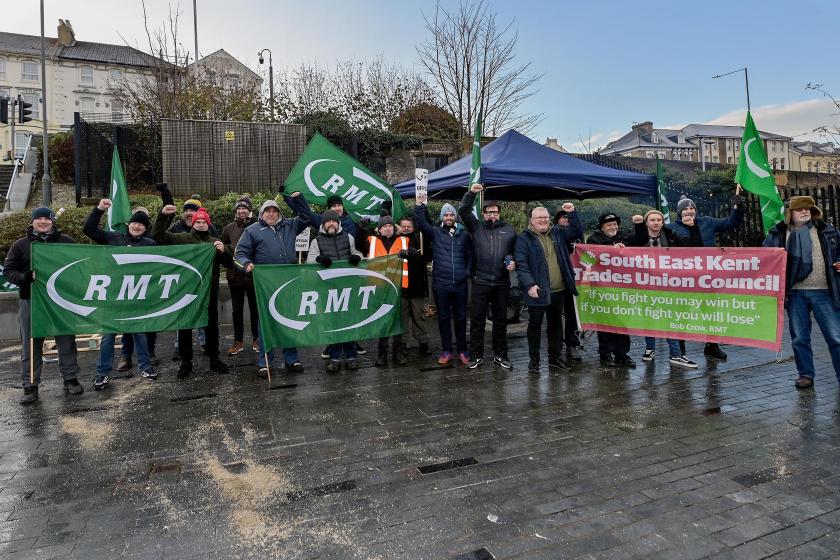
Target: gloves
x,y
355,260
384,212
738,200
324,261
162,187
387,205
281,189
365,223
403,254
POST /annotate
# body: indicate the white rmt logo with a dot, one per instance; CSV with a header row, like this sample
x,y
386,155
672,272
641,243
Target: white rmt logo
x,y
353,194
133,287
337,300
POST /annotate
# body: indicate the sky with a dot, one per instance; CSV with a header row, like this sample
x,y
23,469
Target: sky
x,y
605,65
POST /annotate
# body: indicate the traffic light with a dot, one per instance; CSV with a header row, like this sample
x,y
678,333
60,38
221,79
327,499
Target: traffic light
x,y
24,111
4,111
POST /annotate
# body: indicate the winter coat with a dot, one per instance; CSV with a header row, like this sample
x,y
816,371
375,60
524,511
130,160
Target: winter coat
x,y
264,244
337,247
102,237
230,237
418,278
347,225
532,267
17,268
598,237
710,226
830,244
451,251
640,237
491,242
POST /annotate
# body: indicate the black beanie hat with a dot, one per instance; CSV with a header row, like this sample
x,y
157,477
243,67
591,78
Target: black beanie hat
x,y
607,217
141,218
330,215
334,199
43,212
244,202
384,220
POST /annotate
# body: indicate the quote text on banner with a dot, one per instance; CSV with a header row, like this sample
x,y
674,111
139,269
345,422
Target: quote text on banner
x,y
86,289
727,295
309,305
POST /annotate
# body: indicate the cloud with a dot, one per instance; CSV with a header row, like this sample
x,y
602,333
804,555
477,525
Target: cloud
x,y
797,119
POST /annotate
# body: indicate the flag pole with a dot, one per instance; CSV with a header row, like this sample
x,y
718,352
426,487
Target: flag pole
x,y
268,366
31,358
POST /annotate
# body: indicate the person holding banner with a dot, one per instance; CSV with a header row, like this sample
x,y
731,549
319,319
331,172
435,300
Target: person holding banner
x,y
200,233
385,242
545,274
613,348
334,244
493,241
271,240
18,270
708,228
135,236
240,284
451,266
570,333
651,231
812,284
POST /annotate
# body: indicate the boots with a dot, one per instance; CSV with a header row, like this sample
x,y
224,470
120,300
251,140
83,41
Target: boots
x,y
713,350
382,353
399,353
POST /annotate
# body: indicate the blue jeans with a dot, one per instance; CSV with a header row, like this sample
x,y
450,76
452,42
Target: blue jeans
x,y
349,349
673,346
289,354
106,353
451,301
800,304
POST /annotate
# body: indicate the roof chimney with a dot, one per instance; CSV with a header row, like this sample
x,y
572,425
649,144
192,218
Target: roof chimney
x,y
66,37
644,127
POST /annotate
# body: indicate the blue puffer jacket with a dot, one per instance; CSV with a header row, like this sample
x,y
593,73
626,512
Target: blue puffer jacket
x,y
710,226
531,265
830,244
451,254
264,244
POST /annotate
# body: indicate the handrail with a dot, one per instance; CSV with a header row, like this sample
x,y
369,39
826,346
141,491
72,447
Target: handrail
x,y
18,163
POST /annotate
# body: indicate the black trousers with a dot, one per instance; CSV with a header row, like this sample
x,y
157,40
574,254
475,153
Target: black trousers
x,y
553,313
128,344
237,302
211,331
484,296
569,335
614,344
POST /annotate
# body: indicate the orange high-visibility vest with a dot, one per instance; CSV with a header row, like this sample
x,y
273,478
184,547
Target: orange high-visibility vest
x,y
377,249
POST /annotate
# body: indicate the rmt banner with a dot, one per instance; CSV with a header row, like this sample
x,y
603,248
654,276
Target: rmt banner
x,y
95,289
733,296
309,305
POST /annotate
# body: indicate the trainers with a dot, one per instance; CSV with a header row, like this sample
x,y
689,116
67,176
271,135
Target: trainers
x,y
296,367
445,358
255,346
607,361
557,362
682,361
325,354
360,350
235,348
149,373
474,363
573,353
124,364
464,358
30,395
73,387
100,381
534,366
262,372
218,366
502,361
185,370
803,382
648,355
713,350
625,361
352,364
333,366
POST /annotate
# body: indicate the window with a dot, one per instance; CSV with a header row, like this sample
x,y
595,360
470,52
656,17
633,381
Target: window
x,y
654,137
4,93
2,69
86,105
30,71
86,76
782,165
233,80
115,74
810,167
21,138
728,159
33,99
117,115
775,164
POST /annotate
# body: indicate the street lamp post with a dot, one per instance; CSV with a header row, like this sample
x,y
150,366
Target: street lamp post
x,y
46,181
746,81
270,79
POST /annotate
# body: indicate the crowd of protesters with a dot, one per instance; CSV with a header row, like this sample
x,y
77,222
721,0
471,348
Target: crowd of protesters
x,y
474,256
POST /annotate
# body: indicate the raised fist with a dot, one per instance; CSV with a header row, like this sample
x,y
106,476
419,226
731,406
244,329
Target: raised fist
x,y
220,247
637,219
476,188
104,204
168,209
568,207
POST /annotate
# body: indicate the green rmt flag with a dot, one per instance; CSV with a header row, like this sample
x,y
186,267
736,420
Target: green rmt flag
x,y
662,191
754,175
475,167
323,170
120,211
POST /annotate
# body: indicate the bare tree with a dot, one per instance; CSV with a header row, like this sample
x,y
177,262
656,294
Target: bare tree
x,y
471,59
831,132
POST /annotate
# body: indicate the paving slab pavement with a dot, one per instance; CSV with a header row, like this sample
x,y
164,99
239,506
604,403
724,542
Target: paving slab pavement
x,y
428,462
